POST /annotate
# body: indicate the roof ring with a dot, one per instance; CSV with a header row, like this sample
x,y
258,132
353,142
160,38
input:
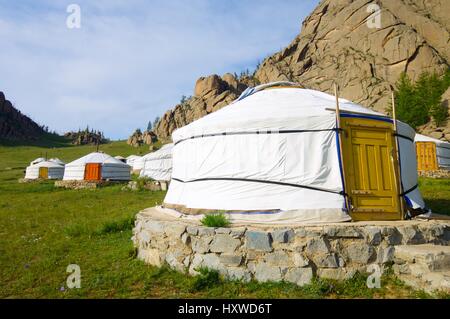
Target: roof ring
x,y
274,85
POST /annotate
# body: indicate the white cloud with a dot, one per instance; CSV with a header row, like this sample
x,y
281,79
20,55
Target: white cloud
x,y
131,60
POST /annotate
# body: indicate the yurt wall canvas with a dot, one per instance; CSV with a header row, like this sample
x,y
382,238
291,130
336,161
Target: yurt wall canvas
x,y
44,170
158,165
100,166
273,156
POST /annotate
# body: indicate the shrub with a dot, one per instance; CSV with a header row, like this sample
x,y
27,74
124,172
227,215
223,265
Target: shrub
x,y
417,103
215,220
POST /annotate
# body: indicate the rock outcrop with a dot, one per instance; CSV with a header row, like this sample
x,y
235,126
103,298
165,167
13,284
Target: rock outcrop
x,y
340,43
86,137
210,94
16,126
139,138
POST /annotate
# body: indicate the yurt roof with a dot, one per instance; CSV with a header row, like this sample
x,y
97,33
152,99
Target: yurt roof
x,y
133,157
119,157
37,160
57,161
96,158
164,152
424,138
277,108
48,164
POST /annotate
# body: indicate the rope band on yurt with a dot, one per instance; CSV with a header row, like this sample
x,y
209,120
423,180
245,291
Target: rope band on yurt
x,y
256,133
409,190
342,193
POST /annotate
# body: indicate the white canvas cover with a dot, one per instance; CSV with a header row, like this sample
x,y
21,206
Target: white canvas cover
x,y
55,171
37,160
112,169
57,161
135,162
218,158
442,150
158,165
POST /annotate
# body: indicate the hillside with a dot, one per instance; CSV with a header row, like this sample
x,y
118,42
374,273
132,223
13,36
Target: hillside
x,y
336,44
16,126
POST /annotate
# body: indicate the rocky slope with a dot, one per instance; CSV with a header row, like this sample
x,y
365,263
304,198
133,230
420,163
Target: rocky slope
x,y
14,125
139,138
336,44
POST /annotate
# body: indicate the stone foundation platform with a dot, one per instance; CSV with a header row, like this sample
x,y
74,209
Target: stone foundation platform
x,y
443,173
85,184
294,254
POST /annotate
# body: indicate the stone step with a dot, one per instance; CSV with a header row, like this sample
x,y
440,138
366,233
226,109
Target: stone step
x,y
424,258
431,282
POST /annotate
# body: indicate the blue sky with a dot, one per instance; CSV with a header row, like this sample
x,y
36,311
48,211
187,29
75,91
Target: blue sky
x,y
131,60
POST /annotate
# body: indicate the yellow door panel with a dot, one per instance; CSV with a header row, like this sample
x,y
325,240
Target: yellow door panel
x,y
426,156
369,155
43,172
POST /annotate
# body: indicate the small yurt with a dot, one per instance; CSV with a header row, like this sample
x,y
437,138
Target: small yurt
x,y
158,164
138,165
45,170
132,159
432,154
37,160
284,154
96,167
121,158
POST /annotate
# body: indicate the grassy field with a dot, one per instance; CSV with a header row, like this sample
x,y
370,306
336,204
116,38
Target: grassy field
x,y
43,230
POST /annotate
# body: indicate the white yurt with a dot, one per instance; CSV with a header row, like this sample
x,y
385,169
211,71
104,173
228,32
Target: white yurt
x,y
57,161
121,158
138,165
37,160
132,159
275,156
45,170
432,154
97,166
158,164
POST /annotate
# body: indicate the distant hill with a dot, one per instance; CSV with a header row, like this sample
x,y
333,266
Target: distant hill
x,y
337,45
16,126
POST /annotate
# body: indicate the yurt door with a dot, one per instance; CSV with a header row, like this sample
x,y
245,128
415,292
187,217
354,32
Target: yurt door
x,y
43,172
370,165
93,172
426,156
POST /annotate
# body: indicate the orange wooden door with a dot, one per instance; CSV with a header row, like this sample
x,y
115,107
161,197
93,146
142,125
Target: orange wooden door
x,y
93,172
426,156
43,172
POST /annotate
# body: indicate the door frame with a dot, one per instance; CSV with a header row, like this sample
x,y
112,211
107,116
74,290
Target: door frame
x,y
395,165
86,167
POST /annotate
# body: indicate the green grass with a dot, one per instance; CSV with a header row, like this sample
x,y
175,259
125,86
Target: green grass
x,y
215,220
44,229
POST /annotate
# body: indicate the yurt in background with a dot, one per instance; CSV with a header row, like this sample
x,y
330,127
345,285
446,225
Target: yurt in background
x,y
96,167
130,161
432,154
138,165
45,170
121,158
158,165
279,155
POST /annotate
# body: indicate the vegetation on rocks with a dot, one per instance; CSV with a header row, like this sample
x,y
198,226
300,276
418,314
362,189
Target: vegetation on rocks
x,y
417,103
215,220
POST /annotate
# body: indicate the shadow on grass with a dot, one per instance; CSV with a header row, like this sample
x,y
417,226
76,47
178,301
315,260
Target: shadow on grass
x,y
439,206
46,140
